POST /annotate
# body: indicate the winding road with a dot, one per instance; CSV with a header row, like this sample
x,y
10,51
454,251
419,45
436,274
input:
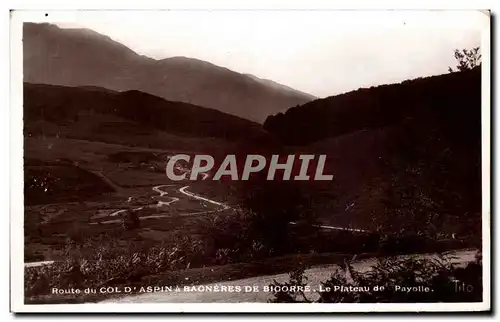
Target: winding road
x,y
162,193
162,203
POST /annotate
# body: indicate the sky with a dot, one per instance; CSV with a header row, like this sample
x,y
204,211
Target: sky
x,y
319,52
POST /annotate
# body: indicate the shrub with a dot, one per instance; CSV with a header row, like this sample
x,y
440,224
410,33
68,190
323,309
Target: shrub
x,y
245,235
440,276
131,220
76,234
110,262
295,295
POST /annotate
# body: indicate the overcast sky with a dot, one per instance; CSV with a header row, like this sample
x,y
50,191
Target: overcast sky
x,y
319,52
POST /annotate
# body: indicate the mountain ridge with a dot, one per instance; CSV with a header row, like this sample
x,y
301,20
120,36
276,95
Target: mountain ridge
x,y
94,59
64,108
274,84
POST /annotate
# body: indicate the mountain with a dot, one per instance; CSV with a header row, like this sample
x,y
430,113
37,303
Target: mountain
x,y
82,57
451,101
404,156
86,113
278,86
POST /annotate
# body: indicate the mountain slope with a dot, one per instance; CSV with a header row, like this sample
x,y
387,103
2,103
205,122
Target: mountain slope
x,y
49,108
452,100
82,57
405,157
278,86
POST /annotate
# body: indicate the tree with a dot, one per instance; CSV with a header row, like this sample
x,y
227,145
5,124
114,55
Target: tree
x,y
131,220
467,59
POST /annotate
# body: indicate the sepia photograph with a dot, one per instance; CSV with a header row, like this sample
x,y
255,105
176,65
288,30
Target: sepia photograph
x,y
320,159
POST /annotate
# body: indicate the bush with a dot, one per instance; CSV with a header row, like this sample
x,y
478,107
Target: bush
x,y
295,295
440,276
76,234
246,235
131,220
111,263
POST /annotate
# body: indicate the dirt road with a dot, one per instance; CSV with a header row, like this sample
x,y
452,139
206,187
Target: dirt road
x,y
315,276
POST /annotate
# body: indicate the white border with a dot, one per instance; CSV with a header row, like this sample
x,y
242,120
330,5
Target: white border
x,y
253,5
17,208
486,161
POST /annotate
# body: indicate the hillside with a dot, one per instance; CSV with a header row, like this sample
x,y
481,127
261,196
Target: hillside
x,y
96,60
405,157
453,100
100,114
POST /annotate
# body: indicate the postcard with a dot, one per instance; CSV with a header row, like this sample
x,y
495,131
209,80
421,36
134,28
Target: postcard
x,y
250,161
